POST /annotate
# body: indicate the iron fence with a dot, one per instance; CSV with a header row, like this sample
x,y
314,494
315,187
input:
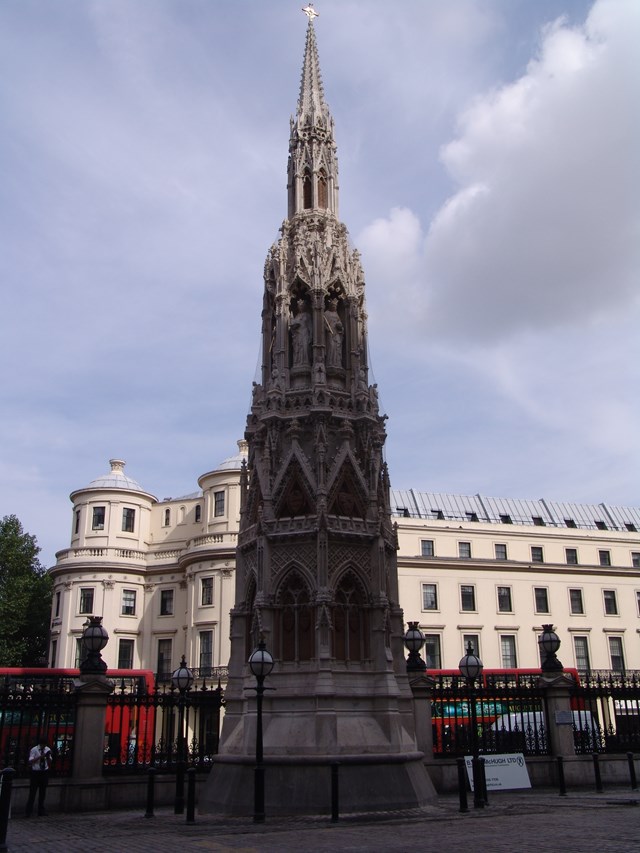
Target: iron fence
x,y
30,710
608,712
504,714
162,728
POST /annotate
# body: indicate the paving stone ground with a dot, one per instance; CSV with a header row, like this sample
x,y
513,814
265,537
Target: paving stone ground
x,y
523,822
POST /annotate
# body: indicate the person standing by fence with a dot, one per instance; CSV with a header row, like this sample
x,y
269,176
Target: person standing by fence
x,y
39,762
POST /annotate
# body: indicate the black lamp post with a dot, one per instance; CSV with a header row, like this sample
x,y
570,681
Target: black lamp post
x,y
471,668
413,642
182,679
94,639
261,664
549,643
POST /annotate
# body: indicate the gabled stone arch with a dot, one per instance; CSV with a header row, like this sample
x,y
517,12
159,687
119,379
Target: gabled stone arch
x,y
295,496
254,499
294,618
252,617
350,635
346,496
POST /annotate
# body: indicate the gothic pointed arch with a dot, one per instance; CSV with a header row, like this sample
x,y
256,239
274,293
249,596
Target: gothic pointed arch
x,y
346,495
254,499
350,619
294,618
252,617
294,494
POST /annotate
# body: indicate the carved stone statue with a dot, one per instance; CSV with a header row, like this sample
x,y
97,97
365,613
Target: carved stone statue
x,y
335,334
300,327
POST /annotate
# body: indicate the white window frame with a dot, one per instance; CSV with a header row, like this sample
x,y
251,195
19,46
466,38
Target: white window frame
x,y
510,593
535,599
123,605
436,593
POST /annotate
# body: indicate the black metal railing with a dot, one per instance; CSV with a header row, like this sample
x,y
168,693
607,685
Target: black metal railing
x,y
506,715
607,712
30,711
162,728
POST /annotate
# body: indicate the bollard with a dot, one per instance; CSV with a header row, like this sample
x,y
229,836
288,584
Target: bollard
x,y
596,770
561,783
191,795
632,772
5,804
335,792
178,804
462,784
151,781
483,776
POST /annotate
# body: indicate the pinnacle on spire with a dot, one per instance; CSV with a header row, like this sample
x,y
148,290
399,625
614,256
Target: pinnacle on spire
x,y
311,104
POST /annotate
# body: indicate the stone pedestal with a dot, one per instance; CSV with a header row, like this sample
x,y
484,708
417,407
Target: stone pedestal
x,y
560,736
91,712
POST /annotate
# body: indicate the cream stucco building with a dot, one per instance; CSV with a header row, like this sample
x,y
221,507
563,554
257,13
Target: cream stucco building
x,y
161,573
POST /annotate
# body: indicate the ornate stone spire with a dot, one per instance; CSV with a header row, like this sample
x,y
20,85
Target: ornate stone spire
x,y
313,167
316,572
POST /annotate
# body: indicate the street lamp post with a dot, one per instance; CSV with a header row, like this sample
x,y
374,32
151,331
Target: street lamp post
x,y
261,664
414,641
94,639
549,643
182,679
471,668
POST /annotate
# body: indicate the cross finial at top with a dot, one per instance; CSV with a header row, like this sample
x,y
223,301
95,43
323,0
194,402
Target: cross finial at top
x,y
310,12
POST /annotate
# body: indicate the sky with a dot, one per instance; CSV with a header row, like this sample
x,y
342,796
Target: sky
x,y
489,175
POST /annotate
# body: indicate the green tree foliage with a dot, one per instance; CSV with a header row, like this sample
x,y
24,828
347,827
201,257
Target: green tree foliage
x,y
25,597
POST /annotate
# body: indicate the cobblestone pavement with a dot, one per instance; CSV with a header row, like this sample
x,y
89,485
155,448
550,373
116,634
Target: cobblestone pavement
x,y
523,822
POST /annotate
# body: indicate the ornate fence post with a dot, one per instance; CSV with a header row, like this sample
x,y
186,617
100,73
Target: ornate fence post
x,y
91,713
422,689
559,724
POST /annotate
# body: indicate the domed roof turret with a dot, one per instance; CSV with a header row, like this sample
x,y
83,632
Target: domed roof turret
x,y
115,479
234,463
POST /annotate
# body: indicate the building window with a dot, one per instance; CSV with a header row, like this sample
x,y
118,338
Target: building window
x,y
605,558
56,611
601,525
54,653
125,654
166,602
80,652
323,195
198,513
76,529
467,597
164,658
570,522
616,654
575,602
508,651
86,600
581,649
541,595
538,520
474,640
501,551
307,192
218,504
167,517
610,602
630,527
635,559
429,596
97,520
426,548
128,519
432,653
128,605
471,516
571,555
206,652
207,592
505,519
537,554
505,604
464,550
638,601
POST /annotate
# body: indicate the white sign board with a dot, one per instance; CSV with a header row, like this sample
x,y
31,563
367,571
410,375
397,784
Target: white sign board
x,y
503,772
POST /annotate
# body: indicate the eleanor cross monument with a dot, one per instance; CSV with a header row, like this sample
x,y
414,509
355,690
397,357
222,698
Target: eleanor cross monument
x,y
316,574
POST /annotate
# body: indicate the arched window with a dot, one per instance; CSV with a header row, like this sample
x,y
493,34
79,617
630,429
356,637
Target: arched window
x,y
198,513
323,194
182,511
350,620
167,517
295,623
307,190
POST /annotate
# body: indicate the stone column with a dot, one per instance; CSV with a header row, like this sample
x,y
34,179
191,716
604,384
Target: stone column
x,y
91,712
560,722
422,689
